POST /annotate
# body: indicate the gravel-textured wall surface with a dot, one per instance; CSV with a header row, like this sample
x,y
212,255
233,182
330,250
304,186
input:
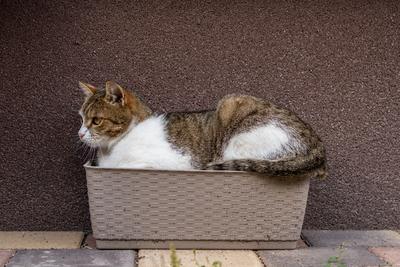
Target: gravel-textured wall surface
x,y
335,64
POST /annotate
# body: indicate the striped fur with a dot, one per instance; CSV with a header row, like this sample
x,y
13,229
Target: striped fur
x,y
242,133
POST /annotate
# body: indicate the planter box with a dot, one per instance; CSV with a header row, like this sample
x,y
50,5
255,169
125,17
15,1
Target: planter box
x,y
137,209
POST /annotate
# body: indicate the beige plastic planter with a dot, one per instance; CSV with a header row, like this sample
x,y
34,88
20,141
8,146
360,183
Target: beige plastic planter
x,y
139,209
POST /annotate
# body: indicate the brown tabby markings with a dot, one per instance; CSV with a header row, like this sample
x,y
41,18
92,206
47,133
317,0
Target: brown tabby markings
x,y
115,119
205,134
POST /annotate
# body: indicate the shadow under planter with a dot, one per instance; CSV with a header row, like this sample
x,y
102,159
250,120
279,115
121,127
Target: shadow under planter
x,y
149,209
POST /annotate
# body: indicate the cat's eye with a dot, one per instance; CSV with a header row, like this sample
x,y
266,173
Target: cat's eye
x,y
97,121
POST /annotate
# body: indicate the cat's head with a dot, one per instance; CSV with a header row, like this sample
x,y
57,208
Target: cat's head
x,y
108,113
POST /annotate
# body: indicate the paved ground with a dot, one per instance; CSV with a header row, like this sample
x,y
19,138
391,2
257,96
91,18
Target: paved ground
x,y
327,248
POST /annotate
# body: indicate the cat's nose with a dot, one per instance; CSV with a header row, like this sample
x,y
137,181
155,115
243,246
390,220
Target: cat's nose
x,y
81,135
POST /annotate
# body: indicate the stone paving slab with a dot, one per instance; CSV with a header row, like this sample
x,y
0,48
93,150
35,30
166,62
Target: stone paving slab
x,y
388,254
5,255
352,238
40,240
73,258
318,257
228,258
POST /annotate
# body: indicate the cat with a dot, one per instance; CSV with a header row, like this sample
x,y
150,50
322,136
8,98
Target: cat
x,y
243,133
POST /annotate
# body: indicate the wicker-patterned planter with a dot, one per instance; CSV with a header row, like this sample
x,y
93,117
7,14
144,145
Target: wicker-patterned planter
x,y
132,208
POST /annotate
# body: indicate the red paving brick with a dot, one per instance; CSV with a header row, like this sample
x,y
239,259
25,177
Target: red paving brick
x,y
5,255
388,254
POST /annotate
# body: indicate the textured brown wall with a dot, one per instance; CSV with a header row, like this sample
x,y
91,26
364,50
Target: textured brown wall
x,y
335,64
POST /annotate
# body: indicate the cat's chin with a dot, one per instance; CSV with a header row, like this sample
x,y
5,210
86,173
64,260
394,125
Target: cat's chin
x,y
91,145
97,144
104,144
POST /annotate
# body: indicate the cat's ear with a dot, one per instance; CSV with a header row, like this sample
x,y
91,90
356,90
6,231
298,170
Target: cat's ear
x,y
87,89
114,92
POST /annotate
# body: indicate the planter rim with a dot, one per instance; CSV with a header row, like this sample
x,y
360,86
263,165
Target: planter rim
x,y
88,165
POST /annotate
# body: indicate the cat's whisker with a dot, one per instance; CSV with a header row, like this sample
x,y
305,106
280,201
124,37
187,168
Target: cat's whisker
x,y
79,146
86,152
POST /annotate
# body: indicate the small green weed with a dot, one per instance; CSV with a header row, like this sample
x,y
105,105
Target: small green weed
x,y
176,262
214,264
336,261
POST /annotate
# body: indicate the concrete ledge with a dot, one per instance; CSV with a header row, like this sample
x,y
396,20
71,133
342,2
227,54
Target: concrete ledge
x,y
317,257
352,238
73,258
40,240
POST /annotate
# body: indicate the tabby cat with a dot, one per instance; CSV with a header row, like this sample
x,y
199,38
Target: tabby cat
x,y
243,133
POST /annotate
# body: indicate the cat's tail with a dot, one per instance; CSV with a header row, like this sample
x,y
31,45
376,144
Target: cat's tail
x,y
312,163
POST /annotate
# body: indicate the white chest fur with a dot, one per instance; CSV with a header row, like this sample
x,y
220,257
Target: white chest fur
x,y
145,146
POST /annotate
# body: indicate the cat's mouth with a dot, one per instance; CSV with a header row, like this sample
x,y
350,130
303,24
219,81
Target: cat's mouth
x,y
94,141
